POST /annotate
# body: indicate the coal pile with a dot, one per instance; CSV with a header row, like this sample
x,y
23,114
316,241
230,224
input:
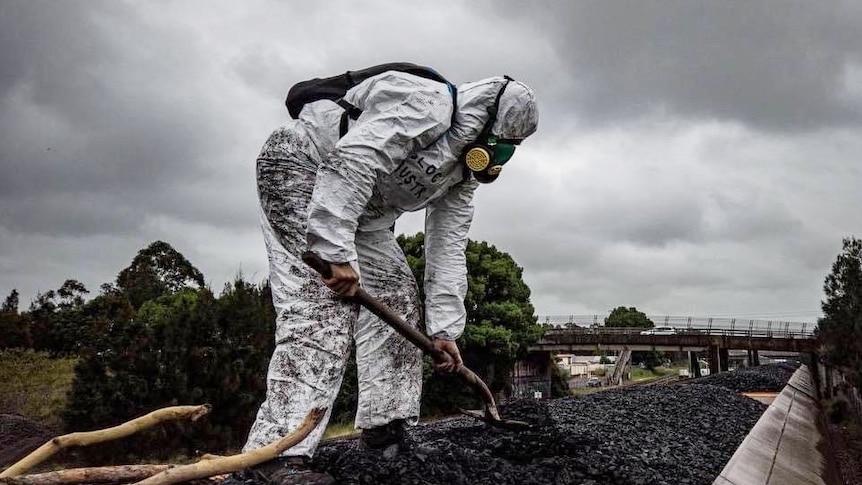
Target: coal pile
x,y
644,435
18,437
770,377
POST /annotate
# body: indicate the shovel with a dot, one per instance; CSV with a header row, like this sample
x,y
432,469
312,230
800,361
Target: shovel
x,y
491,414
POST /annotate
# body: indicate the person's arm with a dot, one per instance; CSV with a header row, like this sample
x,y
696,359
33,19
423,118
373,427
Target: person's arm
x,y
447,222
400,114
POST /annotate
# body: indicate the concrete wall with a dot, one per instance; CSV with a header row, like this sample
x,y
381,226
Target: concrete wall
x,y
788,445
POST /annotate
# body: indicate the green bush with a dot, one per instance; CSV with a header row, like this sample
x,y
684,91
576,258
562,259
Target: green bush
x,y
559,382
181,348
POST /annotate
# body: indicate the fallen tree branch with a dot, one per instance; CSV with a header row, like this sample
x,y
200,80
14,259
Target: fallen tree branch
x,y
91,437
105,474
228,464
209,466
208,456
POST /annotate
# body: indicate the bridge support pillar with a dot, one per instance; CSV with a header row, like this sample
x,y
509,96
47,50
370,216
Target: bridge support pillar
x,y
723,359
693,364
755,358
712,358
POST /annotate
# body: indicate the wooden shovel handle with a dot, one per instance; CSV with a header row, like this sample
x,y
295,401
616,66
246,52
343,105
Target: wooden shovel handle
x,y
409,332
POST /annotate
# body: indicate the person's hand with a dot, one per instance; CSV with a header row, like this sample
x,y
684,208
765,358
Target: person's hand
x,y
451,348
344,280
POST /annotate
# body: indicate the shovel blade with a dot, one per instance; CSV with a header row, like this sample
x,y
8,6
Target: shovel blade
x,y
496,422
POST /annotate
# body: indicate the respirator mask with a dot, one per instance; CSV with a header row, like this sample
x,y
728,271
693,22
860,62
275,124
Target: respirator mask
x,y
485,157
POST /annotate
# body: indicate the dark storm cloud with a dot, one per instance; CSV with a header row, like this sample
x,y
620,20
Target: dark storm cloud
x,y
771,65
683,159
101,121
673,218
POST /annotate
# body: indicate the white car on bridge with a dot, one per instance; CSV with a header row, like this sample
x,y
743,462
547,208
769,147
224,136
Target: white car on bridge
x,y
660,331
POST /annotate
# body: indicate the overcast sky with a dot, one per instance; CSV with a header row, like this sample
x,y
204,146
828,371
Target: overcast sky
x,y
693,158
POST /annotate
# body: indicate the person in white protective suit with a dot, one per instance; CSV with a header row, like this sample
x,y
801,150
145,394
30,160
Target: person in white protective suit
x,y
339,197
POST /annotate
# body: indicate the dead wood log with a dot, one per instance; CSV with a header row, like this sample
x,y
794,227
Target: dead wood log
x,y
210,456
228,464
210,466
91,437
105,474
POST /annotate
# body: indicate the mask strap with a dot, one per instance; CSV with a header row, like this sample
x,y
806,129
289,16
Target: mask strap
x,y
492,111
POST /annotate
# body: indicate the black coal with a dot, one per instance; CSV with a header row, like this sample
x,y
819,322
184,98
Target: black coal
x,y
19,436
643,435
770,377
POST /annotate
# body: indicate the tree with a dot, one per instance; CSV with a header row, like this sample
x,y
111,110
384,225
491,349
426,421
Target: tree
x,y
841,326
14,327
627,317
501,323
110,310
183,347
244,344
72,294
631,317
157,270
10,305
165,355
57,321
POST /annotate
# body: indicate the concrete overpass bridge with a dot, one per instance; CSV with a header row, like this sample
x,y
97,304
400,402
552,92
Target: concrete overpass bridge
x,y
712,338
696,340
684,323
716,342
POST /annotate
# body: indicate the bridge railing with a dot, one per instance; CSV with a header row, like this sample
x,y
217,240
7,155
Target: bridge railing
x,y
682,332
691,325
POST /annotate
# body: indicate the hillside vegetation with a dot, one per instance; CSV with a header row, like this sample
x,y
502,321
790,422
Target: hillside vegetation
x,y
35,385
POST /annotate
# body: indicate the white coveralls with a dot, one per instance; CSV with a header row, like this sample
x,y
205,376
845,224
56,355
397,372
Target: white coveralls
x,y
340,198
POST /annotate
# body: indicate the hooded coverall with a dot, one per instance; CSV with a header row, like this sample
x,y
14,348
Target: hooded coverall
x,y
340,197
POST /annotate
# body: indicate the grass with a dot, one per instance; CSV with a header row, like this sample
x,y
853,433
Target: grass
x,y
582,391
640,375
35,385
